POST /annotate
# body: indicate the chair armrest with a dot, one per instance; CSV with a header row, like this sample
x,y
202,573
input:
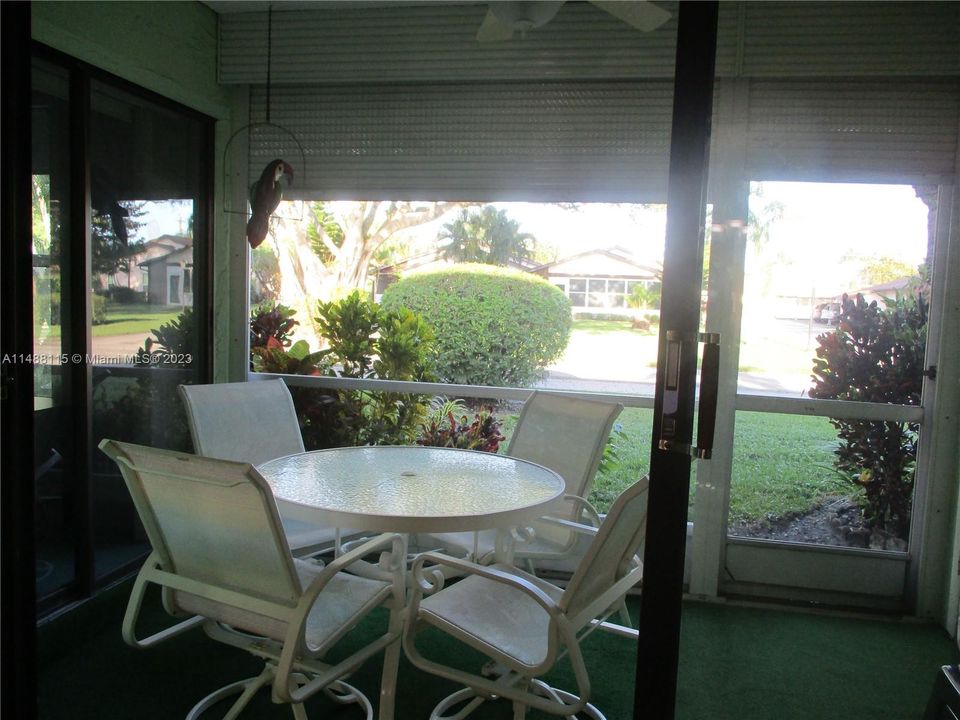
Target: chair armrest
x,y
397,570
581,509
421,584
584,508
569,525
296,629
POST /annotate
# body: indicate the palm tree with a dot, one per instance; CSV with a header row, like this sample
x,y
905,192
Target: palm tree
x,y
485,236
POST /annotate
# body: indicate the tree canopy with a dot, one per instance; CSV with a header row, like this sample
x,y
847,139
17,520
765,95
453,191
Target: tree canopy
x,y
326,249
486,235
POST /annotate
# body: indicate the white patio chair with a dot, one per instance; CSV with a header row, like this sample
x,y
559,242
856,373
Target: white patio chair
x,y
254,422
220,555
523,623
567,435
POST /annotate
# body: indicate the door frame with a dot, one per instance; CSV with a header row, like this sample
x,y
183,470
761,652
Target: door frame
x,y
78,331
17,629
920,575
658,646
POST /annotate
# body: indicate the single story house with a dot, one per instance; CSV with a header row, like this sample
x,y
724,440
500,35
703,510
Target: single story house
x,y
600,280
169,278
136,277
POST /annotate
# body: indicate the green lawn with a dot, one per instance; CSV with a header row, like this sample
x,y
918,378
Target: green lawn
x,y
127,320
782,464
598,327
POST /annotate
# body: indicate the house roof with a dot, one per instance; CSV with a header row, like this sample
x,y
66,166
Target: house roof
x,y
171,257
891,286
614,252
171,241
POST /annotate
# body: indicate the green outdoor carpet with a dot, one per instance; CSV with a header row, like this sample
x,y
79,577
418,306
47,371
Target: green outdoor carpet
x,y
736,662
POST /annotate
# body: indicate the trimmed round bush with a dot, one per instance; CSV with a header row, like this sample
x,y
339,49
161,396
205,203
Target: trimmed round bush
x,y
493,325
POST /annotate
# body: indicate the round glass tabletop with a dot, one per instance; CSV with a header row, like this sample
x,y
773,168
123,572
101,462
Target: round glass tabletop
x,y
412,488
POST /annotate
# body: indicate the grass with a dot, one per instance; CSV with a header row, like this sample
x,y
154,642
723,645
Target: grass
x,y
782,464
126,320
130,319
603,327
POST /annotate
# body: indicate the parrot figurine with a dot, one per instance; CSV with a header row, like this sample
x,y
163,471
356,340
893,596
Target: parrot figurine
x,y
265,195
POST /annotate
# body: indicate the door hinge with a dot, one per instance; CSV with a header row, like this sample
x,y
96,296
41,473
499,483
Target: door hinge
x,y
931,372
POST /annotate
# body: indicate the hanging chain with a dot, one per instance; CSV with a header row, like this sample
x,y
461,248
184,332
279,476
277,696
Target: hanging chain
x,y
269,53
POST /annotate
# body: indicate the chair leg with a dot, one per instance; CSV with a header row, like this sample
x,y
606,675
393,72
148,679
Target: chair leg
x,y
391,665
624,613
562,696
344,694
247,689
455,699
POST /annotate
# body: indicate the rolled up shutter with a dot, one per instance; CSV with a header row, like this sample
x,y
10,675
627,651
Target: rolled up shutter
x,y
529,141
401,102
853,131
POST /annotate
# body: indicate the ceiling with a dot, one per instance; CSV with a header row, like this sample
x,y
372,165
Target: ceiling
x,y
225,7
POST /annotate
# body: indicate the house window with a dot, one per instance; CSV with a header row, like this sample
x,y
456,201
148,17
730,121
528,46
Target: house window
x,y
602,293
597,293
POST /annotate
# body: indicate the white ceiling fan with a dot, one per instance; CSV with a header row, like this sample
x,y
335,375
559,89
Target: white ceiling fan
x,y
503,18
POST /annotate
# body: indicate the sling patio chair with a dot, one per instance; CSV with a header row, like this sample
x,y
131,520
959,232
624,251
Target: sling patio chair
x,y
522,623
221,557
568,435
254,422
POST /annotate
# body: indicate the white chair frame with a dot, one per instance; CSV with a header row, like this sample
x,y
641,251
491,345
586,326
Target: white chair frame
x,y
293,669
588,423
255,422
610,568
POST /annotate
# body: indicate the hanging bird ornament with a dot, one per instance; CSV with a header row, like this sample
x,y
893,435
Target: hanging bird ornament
x,y
265,196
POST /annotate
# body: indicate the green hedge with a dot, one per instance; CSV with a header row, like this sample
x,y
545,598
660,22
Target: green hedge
x,y
98,306
493,325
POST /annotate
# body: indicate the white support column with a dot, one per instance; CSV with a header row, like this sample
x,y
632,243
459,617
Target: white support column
x,y
231,256
935,575
724,309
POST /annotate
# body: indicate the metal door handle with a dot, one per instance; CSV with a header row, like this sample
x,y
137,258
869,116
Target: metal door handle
x,y
677,346
709,387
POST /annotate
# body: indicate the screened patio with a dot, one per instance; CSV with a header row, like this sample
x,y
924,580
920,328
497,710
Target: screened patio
x,y
171,110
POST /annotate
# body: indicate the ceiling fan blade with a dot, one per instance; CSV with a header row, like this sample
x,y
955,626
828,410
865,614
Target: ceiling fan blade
x,y
493,29
641,14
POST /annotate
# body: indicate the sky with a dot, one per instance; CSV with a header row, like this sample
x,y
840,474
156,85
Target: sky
x,y
821,224
886,220
165,218
828,229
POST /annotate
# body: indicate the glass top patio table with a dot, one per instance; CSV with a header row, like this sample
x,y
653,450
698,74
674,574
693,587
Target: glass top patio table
x,y
411,489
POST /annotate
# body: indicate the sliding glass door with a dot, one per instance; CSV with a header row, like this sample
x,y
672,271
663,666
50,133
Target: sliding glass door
x,y
121,191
